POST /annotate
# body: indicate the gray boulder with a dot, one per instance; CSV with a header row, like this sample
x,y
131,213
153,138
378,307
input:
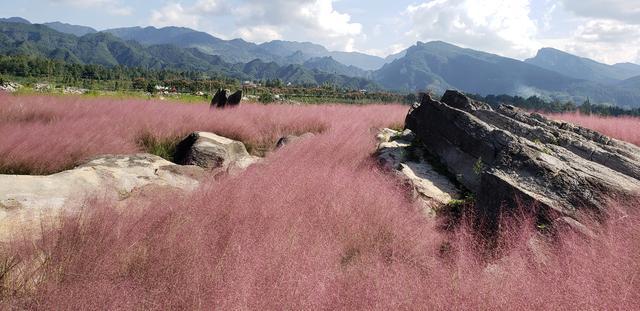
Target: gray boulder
x,y
210,151
507,156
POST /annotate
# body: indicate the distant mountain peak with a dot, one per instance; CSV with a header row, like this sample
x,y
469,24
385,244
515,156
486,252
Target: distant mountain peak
x,y
75,30
14,19
581,67
549,51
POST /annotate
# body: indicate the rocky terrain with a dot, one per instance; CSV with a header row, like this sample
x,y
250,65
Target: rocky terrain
x,y
27,200
506,158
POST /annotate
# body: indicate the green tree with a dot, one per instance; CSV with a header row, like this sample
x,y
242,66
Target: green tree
x,y
151,88
139,83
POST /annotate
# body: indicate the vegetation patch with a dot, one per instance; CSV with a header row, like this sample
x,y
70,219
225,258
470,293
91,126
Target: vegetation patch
x,y
162,147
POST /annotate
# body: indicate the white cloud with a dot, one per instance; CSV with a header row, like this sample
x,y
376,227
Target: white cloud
x,y
313,20
498,26
265,20
175,14
113,7
627,11
606,30
210,7
259,34
604,40
386,51
547,17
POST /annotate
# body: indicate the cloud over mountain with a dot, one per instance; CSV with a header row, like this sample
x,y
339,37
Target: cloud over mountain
x,y
502,26
265,20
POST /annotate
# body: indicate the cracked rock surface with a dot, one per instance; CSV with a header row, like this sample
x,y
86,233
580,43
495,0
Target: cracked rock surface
x,y
506,153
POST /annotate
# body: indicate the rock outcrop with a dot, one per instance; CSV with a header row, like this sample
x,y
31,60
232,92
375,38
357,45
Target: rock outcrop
x,y
396,153
222,100
25,199
507,156
210,151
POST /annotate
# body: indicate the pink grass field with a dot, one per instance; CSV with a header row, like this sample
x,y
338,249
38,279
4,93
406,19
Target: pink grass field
x,y
316,226
47,134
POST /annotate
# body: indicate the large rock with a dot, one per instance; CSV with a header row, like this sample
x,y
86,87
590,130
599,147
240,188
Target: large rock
x,y
507,156
210,151
24,200
397,154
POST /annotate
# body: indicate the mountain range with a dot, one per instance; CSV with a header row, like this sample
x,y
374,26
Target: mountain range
x,y
238,50
438,66
103,48
432,65
71,29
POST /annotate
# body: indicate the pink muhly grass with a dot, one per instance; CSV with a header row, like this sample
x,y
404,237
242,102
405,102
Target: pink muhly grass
x,y
317,226
44,134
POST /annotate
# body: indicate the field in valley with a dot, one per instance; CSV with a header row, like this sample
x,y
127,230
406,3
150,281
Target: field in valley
x,y
316,225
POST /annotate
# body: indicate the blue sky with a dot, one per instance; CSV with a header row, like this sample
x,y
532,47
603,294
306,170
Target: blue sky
x,y
606,30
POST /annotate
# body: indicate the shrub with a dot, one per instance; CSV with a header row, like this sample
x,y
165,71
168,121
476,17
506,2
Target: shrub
x,y
266,98
162,147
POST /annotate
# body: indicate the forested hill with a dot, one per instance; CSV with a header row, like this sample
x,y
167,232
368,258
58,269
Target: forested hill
x,y
108,50
433,65
439,66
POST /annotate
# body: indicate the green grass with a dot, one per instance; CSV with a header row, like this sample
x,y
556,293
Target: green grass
x,y
162,147
119,95
478,167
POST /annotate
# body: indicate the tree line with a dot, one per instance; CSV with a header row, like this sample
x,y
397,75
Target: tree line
x,y
142,79
130,78
115,78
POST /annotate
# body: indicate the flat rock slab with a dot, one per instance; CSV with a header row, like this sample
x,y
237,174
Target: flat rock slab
x,y
429,187
25,199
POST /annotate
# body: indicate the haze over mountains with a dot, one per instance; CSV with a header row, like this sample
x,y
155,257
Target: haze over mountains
x,y
432,65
